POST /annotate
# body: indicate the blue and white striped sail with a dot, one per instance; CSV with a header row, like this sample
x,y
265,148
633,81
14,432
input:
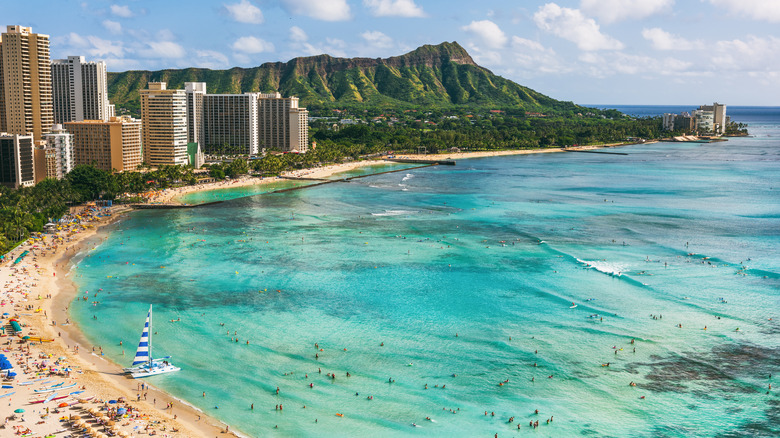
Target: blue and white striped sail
x,y
142,354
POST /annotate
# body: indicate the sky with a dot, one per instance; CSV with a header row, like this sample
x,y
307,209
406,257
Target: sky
x,y
648,52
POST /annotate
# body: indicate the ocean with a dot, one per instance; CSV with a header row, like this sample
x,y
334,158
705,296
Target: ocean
x,y
470,295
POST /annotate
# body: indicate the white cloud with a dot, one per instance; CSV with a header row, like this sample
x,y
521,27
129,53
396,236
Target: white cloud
x,y
91,45
112,26
488,32
250,44
610,11
162,49
535,59
571,25
377,39
245,12
753,54
298,35
764,10
121,11
663,40
397,8
332,10
211,59
610,64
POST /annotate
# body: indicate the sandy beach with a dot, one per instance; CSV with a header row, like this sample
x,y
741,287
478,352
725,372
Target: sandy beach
x,y
36,293
59,360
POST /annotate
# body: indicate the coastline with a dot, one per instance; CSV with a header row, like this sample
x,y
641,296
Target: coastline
x,y
46,270
103,378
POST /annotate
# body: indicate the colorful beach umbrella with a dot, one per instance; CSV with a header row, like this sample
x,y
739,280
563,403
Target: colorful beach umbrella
x,y
19,411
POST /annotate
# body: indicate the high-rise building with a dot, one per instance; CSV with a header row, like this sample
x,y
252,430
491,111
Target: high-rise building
x,y
195,92
80,90
113,145
61,142
230,123
299,130
164,121
718,120
282,124
17,161
26,100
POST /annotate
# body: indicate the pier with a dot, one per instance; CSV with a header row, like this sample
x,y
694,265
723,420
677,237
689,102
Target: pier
x,y
429,162
595,152
170,206
329,181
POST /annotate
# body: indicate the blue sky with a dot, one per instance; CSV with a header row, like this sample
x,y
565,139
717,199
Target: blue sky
x,y
587,51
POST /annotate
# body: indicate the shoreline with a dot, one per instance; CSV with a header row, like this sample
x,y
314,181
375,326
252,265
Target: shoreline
x,y
48,270
103,377
173,195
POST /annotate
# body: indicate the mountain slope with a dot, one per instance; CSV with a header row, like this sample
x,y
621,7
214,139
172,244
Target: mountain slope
x,y
441,75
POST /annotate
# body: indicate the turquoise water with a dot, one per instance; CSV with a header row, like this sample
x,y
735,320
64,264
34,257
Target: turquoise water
x,y
228,193
463,277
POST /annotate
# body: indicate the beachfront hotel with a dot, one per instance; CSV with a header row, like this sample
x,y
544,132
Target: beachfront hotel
x,y
79,90
230,124
17,164
61,142
113,145
283,124
164,125
245,123
707,118
25,83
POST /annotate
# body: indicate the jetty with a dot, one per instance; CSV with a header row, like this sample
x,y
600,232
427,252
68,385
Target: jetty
x,y
429,162
168,206
595,152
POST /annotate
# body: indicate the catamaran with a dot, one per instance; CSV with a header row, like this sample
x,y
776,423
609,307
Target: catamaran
x,y
143,364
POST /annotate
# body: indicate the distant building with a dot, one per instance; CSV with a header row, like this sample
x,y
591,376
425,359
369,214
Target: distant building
x,y
61,141
704,120
17,161
712,117
684,122
195,93
79,90
668,121
230,123
244,123
25,83
113,145
164,121
707,118
282,124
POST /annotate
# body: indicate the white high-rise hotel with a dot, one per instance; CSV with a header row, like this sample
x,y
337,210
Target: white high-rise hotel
x,y
80,90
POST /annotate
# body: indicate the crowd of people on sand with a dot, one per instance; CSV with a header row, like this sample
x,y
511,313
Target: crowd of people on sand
x,y
49,389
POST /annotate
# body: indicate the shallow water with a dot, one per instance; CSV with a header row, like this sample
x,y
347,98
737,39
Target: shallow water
x,y
465,276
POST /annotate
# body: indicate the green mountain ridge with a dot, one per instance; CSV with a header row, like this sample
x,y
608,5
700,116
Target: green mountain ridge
x,y
441,75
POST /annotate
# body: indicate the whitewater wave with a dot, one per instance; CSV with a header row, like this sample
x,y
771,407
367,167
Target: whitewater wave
x,y
613,269
396,213
407,177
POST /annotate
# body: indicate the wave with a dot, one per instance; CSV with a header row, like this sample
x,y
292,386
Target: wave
x,y
614,269
396,213
407,177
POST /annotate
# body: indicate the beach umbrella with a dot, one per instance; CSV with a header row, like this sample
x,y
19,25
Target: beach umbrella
x,y
112,402
121,411
19,411
62,405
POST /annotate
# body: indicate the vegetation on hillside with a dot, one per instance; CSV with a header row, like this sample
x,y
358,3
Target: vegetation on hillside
x,y
443,75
